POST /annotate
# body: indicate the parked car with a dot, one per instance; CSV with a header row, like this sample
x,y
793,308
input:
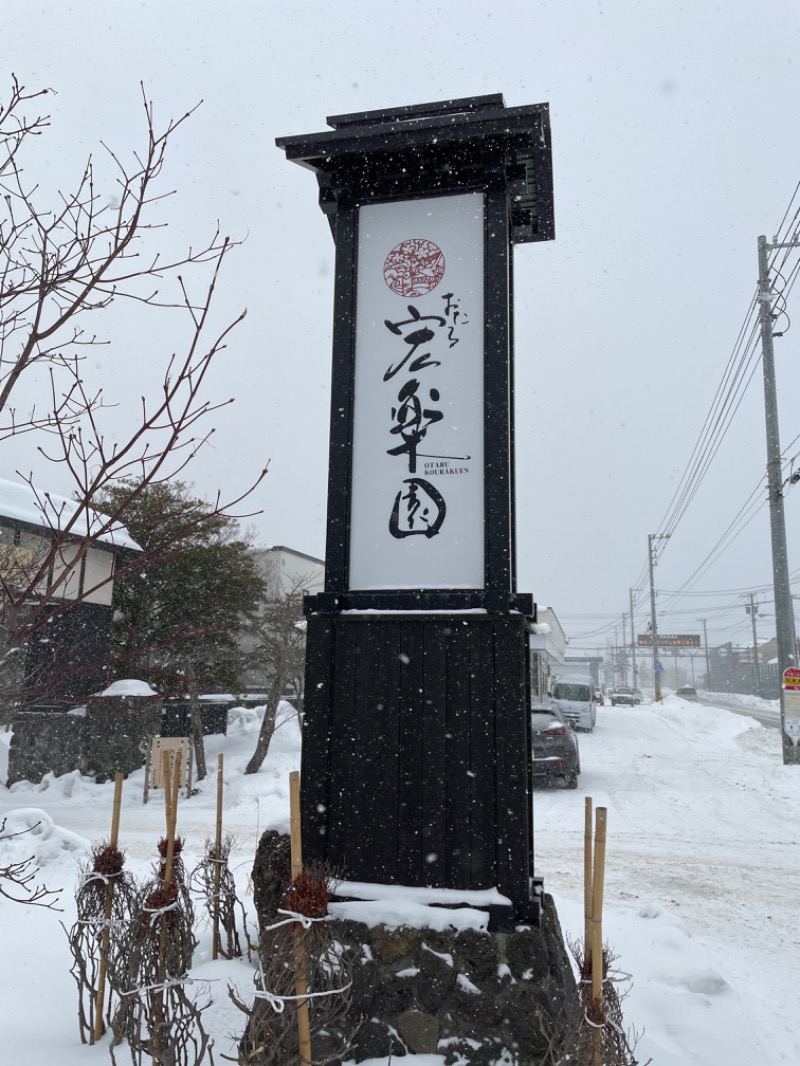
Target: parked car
x,y
687,692
638,695
555,747
625,697
575,700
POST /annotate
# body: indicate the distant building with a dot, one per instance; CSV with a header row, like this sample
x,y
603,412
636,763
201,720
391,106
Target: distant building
x,y
44,562
548,646
732,669
287,571
277,653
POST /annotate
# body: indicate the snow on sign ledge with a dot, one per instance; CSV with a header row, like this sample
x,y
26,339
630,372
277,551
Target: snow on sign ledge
x,y
418,908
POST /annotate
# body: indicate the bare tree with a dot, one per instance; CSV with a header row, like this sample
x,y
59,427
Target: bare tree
x,y
278,658
17,877
57,265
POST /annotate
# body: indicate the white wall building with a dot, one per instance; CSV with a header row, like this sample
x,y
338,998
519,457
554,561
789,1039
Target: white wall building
x,y
548,647
286,570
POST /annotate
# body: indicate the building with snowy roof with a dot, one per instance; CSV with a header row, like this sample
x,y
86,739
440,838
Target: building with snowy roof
x,y
60,557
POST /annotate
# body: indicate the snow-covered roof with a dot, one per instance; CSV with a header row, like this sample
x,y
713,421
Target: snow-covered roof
x,y
47,510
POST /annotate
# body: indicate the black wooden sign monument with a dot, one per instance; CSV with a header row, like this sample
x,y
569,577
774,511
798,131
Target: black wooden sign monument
x,y
416,744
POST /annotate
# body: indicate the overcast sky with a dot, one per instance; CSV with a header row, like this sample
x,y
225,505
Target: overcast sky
x,y
675,144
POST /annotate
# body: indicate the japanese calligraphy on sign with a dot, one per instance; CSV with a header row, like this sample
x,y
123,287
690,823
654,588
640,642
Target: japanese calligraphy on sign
x,y
417,508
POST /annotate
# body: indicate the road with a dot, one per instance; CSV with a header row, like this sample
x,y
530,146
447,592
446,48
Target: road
x,y
702,838
767,716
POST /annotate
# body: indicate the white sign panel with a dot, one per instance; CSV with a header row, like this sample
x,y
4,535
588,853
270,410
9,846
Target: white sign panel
x,y
791,711
417,493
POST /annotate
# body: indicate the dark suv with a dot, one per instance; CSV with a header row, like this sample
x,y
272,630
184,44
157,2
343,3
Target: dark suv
x,y
555,747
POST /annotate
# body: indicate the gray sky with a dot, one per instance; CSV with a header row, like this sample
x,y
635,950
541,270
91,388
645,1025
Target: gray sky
x,y
675,146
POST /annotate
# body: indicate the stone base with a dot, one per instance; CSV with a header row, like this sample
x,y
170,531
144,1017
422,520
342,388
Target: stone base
x,y
465,994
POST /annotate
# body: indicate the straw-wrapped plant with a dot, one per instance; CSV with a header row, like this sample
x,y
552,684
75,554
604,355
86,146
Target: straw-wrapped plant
x,y
213,880
105,898
590,1032
156,1014
295,947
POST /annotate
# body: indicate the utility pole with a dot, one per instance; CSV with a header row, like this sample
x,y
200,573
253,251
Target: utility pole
x,y
784,614
625,649
651,537
708,659
633,643
752,610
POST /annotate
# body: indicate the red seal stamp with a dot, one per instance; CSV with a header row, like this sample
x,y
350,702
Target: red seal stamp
x,y
414,267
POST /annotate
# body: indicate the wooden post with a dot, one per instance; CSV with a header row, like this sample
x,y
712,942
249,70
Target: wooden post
x,y
217,858
165,780
171,788
171,807
587,886
147,764
101,981
597,932
301,983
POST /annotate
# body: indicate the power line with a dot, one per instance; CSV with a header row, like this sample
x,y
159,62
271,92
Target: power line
x,y
736,379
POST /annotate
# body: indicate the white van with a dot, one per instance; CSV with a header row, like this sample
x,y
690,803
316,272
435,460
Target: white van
x,y
575,699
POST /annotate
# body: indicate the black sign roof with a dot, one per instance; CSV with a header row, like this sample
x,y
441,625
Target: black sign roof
x,y
437,147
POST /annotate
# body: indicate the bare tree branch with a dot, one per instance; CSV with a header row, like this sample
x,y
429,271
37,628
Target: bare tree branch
x,y
16,878
57,265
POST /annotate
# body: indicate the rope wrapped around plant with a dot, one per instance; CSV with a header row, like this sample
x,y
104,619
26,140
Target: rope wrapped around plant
x,y
105,886
592,1036
272,1035
156,1014
213,879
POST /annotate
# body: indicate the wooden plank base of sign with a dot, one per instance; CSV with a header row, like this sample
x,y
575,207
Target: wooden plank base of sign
x,y
416,751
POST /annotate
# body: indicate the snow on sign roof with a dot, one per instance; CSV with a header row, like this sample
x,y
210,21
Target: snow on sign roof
x,y
50,511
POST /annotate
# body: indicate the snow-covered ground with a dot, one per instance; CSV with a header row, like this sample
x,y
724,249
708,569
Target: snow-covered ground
x,y
702,880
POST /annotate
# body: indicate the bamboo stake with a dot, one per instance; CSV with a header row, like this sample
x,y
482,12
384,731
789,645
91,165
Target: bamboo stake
x,y
101,981
166,778
158,1001
218,857
301,983
171,788
597,931
587,885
